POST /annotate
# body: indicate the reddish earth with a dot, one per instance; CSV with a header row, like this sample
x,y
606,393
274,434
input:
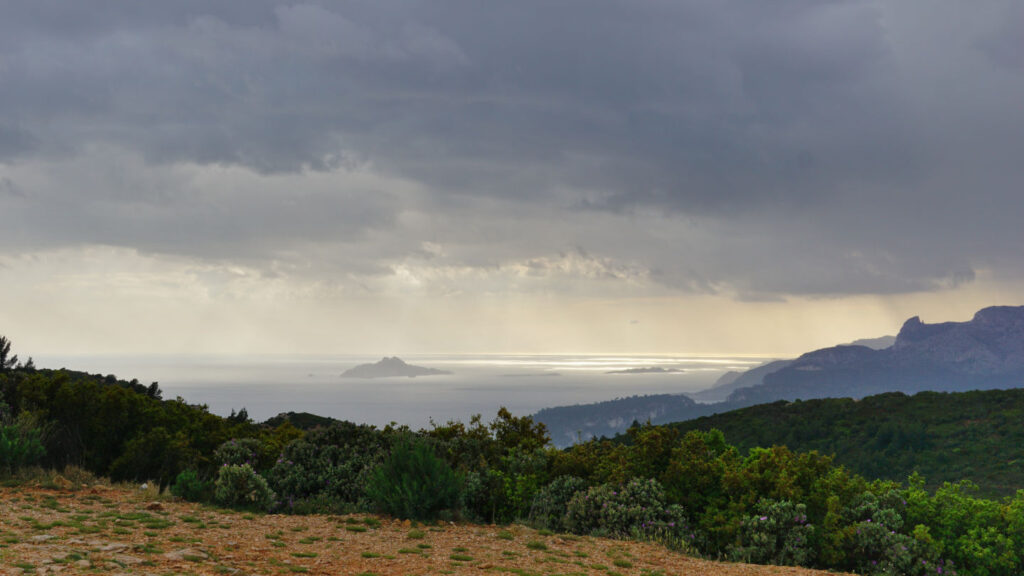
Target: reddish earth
x,y
120,531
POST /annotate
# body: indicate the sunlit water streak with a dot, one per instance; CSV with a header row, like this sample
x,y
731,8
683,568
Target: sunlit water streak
x,y
479,384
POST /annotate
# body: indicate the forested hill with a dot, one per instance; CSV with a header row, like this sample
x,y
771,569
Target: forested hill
x,y
977,436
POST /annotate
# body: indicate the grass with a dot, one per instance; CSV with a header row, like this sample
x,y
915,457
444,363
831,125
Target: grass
x,y
92,514
371,522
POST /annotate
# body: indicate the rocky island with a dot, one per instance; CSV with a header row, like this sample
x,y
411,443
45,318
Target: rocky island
x,y
647,370
390,368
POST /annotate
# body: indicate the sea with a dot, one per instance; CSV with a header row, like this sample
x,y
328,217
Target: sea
x,y
478,384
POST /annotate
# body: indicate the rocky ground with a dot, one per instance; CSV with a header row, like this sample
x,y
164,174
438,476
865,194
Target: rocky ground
x,y
108,530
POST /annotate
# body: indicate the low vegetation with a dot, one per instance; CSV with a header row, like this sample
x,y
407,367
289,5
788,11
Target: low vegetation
x,y
945,437
691,492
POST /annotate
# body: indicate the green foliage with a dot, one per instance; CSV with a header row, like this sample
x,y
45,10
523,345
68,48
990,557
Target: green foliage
x,y
413,483
519,432
982,537
946,437
7,361
518,476
777,533
238,451
549,504
95,421
188,486
20,443
328,463
241,487
152,455
503,463
626,511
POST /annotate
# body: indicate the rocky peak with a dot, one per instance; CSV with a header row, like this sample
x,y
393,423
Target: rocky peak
x,y
991,342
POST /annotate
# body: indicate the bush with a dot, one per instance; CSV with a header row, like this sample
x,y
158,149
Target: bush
x,y
636,510
876,544
21,444
188,486
549,504
241,487
238,451
330,463
413,483
778,533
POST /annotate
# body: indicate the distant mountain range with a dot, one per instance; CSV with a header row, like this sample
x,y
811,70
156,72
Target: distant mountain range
x,y
983,353
390,368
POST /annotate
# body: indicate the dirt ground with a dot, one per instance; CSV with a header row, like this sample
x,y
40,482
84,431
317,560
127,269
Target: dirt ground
x,y
104,530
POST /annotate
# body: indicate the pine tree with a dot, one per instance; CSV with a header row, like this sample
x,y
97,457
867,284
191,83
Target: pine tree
x,y
5,350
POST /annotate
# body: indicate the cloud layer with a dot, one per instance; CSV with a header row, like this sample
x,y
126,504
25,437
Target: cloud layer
x,y
755,150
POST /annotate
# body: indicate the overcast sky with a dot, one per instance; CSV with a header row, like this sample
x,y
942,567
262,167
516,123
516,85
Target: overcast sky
x,y
464,176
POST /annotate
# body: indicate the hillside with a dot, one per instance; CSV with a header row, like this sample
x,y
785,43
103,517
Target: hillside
x,y
101,529
944,436
569,424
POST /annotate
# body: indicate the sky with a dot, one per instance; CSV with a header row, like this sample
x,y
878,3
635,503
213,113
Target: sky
x,y
586,176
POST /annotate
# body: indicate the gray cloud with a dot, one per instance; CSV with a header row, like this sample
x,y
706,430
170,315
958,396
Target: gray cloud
x,y
759,149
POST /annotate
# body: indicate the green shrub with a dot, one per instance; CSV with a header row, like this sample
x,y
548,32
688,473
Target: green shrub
x,y
636,510
331,462
157,454
549,504
241,487
413,483
876,543
238,451
778,533
21,444
188,486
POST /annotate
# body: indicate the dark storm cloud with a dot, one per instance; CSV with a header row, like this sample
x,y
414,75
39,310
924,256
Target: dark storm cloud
x,y
687,104
832,147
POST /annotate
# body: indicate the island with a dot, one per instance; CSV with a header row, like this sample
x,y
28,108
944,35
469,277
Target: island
x,y
648,370
390,368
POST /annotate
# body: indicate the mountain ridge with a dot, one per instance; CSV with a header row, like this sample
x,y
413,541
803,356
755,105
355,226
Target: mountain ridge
x,y
985,352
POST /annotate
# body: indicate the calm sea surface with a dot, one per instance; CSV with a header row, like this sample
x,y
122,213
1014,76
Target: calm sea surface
x,y
268,385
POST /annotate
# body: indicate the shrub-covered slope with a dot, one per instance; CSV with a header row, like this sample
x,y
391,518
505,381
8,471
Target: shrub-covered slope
x,y
977,436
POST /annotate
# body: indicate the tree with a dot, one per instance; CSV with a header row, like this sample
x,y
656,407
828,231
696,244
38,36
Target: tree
x,y
6,363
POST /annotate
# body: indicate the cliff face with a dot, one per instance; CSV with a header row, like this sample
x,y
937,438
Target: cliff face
x,y
985,352
991,343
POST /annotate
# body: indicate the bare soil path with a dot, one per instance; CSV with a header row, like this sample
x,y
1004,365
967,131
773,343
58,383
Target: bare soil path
x,y
102,530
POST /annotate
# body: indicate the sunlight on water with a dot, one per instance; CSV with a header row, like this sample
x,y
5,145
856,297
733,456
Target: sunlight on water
x,y
480,384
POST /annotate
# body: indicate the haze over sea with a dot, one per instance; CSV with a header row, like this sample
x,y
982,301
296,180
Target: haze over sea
x,y
479,384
